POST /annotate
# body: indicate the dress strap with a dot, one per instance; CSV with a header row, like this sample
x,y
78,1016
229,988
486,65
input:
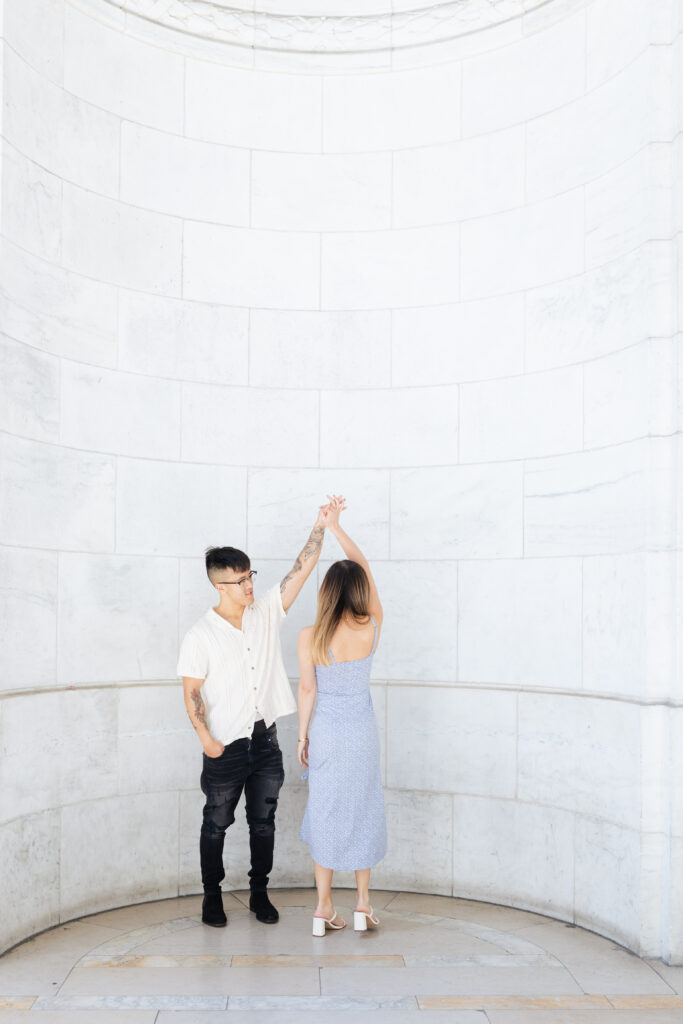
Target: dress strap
x,y
374,642
331,655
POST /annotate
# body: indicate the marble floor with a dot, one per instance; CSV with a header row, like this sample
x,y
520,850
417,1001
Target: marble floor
x,y
433,959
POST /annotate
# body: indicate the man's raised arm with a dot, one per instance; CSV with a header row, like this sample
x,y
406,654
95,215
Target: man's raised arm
x,y
305,562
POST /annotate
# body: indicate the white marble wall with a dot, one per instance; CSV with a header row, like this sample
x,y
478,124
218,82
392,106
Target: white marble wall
x,y
448,291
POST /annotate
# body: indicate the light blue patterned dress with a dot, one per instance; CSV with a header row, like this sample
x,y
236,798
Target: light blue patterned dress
x,y
344,823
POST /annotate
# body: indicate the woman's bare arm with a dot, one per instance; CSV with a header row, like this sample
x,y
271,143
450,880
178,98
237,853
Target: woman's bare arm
x,y
308,691
352,552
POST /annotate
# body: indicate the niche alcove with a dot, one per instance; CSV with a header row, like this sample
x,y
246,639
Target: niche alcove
x,y
422,255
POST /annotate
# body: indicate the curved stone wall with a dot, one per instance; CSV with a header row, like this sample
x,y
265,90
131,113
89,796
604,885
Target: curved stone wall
x,y
232,284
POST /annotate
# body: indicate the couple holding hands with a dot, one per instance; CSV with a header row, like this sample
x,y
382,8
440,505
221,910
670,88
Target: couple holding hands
x,y
235,687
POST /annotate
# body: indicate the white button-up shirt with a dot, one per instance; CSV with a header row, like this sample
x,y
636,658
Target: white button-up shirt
x,y
243,672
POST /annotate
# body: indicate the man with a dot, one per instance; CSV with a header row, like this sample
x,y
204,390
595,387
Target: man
x,y
235,686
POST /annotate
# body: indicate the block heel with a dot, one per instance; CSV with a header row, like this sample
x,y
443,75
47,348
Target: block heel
x,y
321,924
361,920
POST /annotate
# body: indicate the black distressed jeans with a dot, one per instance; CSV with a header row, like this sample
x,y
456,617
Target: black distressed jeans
x,y
255,766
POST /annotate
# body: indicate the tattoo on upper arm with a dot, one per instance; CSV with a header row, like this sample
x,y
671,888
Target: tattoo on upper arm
x,y
310,548
199,709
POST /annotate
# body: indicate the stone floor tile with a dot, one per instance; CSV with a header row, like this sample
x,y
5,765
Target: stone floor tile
x,y
562,938
31,978
41,964
396,936
309,897
323,1004
422,981
91,981
69,1017
125,1002
150,913
490,914
157,960
501,960
619,973
323,960
647,1002
523,1004
673,976
133,940
360,1016
496,939
73,937
582,1017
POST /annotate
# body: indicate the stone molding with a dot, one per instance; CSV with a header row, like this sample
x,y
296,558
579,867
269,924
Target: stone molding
x,y
336,33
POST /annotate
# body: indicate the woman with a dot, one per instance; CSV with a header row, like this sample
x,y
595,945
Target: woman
x,y
344,824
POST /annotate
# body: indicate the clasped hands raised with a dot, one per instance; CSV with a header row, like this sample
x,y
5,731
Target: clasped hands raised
x,y
328,515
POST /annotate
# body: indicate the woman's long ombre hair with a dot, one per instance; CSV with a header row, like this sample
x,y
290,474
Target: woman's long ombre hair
x,y
345,588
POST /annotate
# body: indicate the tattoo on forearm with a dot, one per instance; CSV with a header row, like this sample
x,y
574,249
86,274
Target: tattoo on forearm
x,y
313,544
199,709
310,548
287,578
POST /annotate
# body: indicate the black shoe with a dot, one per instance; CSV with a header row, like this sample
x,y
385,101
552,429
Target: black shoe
x,y
260,905
212,910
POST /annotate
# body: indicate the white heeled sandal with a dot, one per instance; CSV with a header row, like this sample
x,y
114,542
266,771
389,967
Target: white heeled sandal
x,y
320,924
360,920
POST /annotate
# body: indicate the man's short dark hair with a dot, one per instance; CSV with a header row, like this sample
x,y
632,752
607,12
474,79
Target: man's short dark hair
x,y
218,559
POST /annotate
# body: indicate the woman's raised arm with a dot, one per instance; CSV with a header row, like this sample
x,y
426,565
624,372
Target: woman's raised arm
x,y
352,551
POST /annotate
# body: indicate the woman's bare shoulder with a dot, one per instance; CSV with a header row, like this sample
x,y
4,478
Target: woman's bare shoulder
x,y
304,644
306,632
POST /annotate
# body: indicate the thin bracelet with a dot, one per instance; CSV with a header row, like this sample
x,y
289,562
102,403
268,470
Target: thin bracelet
x,y
301,741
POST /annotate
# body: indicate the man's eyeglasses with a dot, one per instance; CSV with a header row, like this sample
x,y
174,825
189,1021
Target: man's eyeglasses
x,y
238,583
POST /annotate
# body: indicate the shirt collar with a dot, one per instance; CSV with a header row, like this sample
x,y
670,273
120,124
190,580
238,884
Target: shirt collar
x,y
214,618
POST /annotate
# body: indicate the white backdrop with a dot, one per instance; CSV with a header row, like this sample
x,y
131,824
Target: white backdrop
x,y
438,276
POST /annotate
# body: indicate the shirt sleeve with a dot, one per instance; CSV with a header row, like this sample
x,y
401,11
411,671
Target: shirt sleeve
x,y
275,603
193,660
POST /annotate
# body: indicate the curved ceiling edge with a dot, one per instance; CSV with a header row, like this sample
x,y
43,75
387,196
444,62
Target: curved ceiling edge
x,y
317,35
